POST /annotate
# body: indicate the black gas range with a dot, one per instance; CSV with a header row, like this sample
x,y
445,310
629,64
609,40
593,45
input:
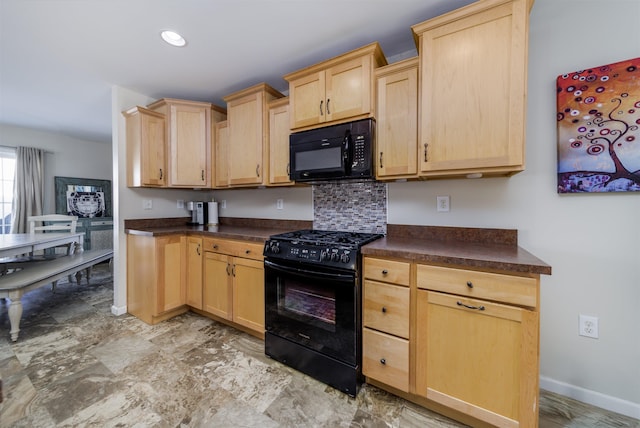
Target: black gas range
x,y
335,249
313,289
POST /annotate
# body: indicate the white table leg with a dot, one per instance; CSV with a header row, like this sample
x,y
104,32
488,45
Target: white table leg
x,y
15,314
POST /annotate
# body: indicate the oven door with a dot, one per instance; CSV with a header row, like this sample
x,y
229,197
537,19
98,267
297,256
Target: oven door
x,y
313,306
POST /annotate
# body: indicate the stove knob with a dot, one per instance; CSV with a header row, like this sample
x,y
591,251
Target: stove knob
x,y
345,258
324,255
334,257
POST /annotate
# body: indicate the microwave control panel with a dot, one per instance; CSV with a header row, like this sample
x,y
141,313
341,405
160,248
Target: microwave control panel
x,y
359,156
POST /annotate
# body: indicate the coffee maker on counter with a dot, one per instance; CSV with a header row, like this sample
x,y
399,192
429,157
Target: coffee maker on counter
x,y
199,212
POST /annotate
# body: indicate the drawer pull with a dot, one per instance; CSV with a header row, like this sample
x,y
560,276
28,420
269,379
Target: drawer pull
x,y
384,271
383,361
469,284
384,310
247,251
215,246
479,308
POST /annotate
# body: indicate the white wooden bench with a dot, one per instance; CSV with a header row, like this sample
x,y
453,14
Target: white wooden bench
x,y
15,285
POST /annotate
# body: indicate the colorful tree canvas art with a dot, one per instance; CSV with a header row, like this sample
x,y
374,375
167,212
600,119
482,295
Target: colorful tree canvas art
x,y
599,129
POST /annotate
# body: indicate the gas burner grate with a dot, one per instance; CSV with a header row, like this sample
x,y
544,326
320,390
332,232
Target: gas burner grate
x,y
355,239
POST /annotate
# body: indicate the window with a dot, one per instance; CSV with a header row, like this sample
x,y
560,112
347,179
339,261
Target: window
x,y
7,176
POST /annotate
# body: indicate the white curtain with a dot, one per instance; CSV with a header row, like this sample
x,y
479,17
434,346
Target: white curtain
x,y
28,196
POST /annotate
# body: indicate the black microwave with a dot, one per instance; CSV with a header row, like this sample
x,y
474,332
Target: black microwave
x,y
335,152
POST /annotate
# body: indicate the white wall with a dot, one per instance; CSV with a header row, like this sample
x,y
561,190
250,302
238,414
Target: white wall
x,y
261,203
65,157
591,241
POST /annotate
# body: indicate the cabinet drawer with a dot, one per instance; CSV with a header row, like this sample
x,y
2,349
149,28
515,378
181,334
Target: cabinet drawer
x,y
386,308
492,286
386,270
247,250
386,358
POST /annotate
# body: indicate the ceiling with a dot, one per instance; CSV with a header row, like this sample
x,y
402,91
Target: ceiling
x,y
60,58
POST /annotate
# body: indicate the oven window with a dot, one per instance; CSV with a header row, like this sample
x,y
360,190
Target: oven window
x,y
310,302
319,159
313,305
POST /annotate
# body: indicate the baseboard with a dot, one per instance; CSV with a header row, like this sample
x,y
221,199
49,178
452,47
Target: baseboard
x,y
594,398
117,311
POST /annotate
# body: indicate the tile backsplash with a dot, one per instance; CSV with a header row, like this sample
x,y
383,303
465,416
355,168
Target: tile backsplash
x,y
351,206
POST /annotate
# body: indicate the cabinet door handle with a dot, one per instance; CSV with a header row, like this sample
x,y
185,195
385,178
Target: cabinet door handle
x,y
384,310
202,175
425,151
469,284
477,308
321,101
258,170
380,159
160,173
288,169
233,271
328,101
383,361
228,269
198,249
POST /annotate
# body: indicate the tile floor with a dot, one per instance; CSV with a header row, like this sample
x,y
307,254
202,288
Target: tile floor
x,y
75,364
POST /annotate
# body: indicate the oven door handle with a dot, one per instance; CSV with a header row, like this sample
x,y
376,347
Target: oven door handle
x,y
310,273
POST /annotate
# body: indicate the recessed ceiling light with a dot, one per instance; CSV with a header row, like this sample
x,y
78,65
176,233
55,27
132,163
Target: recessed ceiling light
x,y
173,38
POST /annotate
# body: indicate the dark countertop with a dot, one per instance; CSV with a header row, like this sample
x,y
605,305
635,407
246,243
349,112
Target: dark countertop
x,y
246,233
493,249
257,230
462,254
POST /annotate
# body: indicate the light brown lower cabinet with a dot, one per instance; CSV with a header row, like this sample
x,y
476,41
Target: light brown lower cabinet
x,y
193,273
386,358
233,282
385,338
167,275
155,277
470,348
217,288
478,357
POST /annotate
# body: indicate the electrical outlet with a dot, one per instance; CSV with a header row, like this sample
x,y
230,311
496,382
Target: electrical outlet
x,y
442,203
180,204
223,204
147,204
588,326
279,204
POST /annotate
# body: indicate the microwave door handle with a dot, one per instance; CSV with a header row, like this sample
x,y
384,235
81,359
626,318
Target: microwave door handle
x,y
347,156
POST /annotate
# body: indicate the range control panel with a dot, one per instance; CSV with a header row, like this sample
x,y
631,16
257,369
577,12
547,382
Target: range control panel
x,y
336,256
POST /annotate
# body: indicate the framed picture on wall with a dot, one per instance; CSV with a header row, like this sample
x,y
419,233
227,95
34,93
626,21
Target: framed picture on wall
x,y
598,113
83,197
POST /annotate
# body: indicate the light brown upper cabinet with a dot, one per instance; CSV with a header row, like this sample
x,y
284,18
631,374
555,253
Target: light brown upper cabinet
x,y
336,90
145,148
279,142
397,120
218,115
188,130
220,159
473,74
247,121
